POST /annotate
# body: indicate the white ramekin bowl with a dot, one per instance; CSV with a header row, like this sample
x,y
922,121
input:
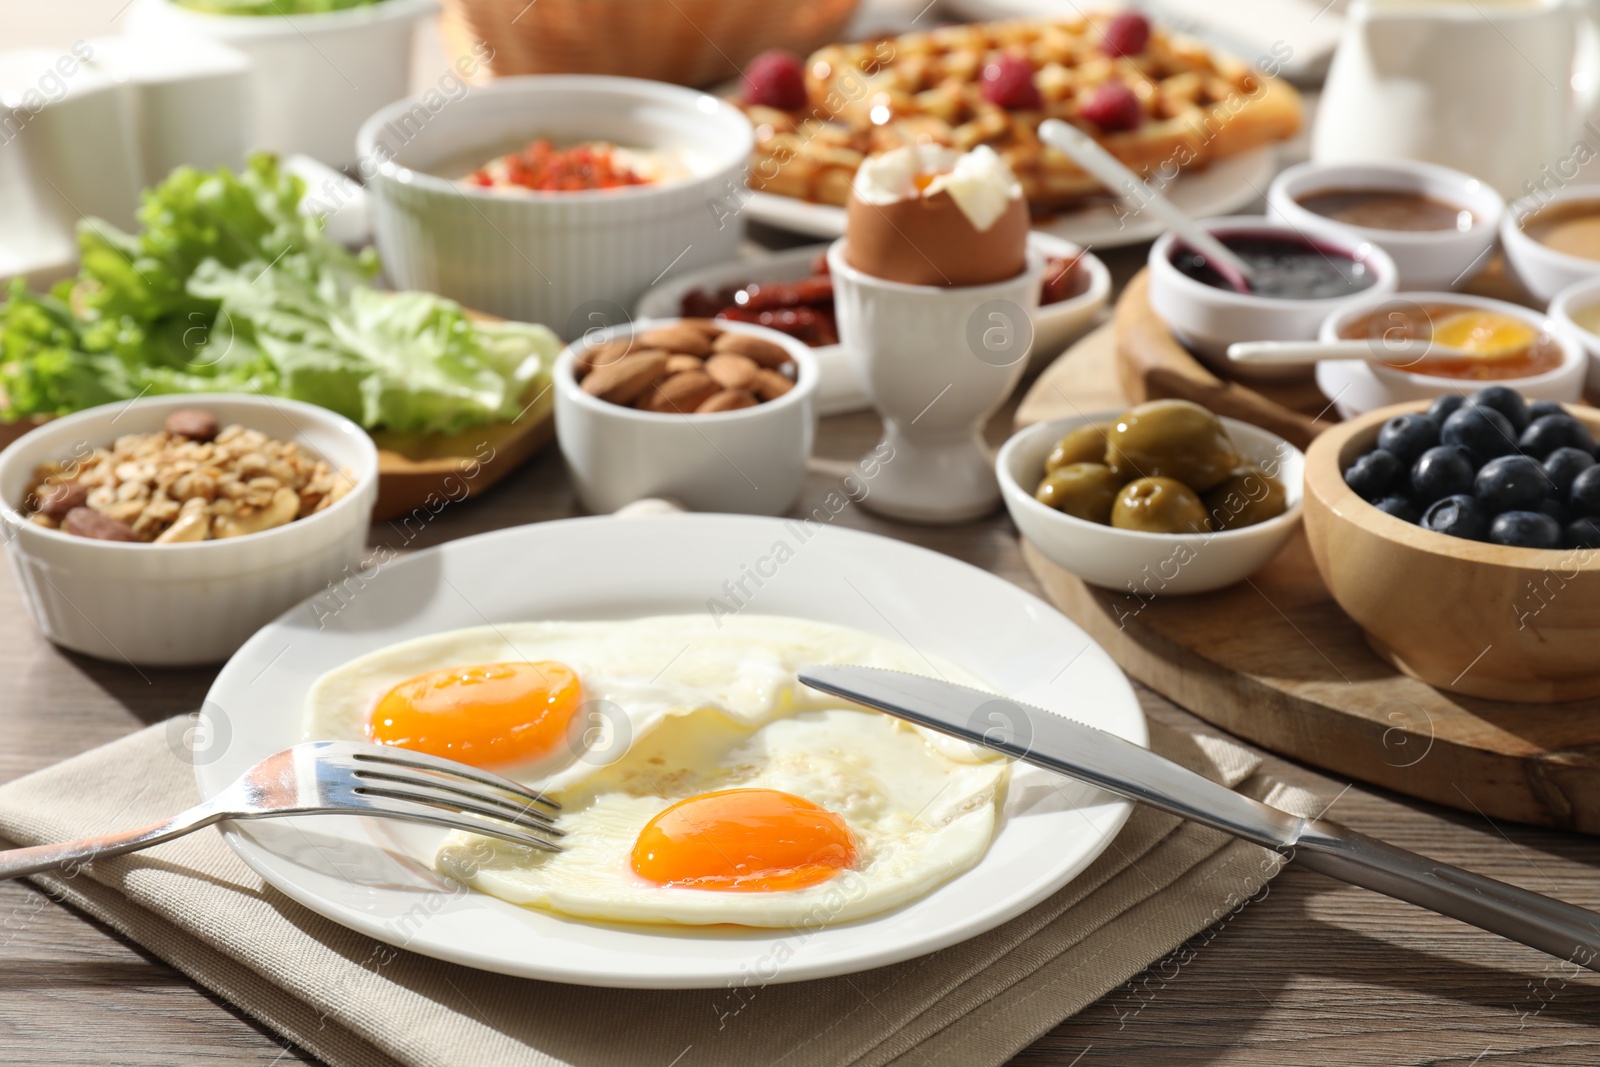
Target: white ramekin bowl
x,y
1543,271
1395,386
565,259
1145,565
751,461
1579,295
182,604
316,78
1207,319
1426,259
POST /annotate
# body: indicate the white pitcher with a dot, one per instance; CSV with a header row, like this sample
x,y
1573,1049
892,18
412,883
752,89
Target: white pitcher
x,y
1500,89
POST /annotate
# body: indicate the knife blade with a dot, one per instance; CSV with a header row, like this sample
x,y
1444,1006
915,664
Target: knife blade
x,y
1067,747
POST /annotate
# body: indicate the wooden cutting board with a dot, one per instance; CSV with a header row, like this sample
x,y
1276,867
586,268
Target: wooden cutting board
x,y
1276,662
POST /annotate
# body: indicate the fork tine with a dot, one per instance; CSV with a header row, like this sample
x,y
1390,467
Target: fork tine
x,y
410,810
512,810
440,799
402,757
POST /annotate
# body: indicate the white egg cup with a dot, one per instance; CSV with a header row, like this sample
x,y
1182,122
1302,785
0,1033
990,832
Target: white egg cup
x,y
937,362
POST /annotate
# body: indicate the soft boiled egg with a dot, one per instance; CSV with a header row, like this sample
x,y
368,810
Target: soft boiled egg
x,y
699,782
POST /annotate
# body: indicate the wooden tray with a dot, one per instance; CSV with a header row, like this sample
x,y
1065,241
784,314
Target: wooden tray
x,y
1275,661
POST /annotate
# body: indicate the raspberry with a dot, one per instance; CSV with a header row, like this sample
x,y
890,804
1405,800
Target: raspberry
x,y
1113,107
1008,82
776,79
1127,34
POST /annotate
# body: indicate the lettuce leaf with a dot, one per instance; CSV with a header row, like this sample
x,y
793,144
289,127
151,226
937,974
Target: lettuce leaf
x,y
227,287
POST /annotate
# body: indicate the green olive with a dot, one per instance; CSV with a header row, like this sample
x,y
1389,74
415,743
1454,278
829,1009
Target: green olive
x,y
1158,505
1082,490
1172,439
1086,444
1248,495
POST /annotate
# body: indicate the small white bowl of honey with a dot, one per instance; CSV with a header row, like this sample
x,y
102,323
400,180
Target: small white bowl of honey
x,y
1509,345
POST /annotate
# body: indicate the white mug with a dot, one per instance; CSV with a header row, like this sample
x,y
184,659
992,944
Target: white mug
x,y
1500,89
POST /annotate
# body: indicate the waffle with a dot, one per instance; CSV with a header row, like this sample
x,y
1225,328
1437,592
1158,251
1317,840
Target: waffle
x,y
876,95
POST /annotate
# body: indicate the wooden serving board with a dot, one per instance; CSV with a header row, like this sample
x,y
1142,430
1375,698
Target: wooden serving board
x,y
1275,661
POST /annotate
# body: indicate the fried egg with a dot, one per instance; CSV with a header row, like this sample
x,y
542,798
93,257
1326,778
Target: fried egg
x,y
699,782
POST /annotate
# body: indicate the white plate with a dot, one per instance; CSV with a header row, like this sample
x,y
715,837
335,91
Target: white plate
x,y
373,877
1220,189
1054,325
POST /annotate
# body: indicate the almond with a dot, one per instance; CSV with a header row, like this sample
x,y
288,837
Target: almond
x,y
769,354
193,423
681,393
732,371
728,400
678,363
677,338
599,355
625,380
770,385
710,327
87,522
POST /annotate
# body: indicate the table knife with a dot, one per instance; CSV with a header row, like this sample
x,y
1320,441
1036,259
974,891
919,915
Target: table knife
x,y
1102,759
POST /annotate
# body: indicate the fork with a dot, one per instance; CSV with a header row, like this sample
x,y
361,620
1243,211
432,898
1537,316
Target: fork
x,y
334,778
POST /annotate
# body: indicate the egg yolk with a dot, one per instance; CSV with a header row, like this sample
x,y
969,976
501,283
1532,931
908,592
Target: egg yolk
x,y
485,714
748,840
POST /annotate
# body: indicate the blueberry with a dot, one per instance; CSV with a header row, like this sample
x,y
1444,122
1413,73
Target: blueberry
x,y
1507,402
1540,408
1584,496
1555,509
1401,508
1408,436
1549,432
1510,483
1441,472
1525,529
1445,406
1482,431
1562,466
1458,516
1372,474
1582,533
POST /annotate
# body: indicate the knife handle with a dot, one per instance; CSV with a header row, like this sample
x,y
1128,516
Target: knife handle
x,y
1563,930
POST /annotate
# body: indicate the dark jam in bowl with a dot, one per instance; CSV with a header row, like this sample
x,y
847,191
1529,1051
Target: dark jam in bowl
x,y
1283,267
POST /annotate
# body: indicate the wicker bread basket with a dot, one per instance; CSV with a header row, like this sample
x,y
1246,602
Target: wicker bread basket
x,y
691,42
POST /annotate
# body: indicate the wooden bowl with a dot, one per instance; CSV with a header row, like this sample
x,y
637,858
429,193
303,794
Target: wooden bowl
x,y
1518,624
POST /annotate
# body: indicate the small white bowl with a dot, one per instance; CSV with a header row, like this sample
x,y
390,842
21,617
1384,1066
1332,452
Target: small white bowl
x,y
1357,387
1207,319
565,259
1426,259
316,77
1579,295
1543,271
182,604
1054,325
751,461
1147,564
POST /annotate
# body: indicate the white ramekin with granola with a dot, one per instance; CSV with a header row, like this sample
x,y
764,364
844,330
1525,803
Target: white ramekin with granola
x,y
166,530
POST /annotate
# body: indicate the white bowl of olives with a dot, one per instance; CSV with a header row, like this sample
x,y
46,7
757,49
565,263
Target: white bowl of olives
x,y
1163,498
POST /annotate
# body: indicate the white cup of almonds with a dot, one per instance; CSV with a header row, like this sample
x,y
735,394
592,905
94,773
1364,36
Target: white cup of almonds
x,y
715,415
165,531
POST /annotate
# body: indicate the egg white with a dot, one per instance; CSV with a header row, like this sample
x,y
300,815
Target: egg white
x,y
676,706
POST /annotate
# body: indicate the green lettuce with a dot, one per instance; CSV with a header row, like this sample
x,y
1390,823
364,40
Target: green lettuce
x,y
271,7
227,288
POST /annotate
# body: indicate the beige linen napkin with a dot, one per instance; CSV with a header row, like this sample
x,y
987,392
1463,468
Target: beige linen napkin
x,y
352,1001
